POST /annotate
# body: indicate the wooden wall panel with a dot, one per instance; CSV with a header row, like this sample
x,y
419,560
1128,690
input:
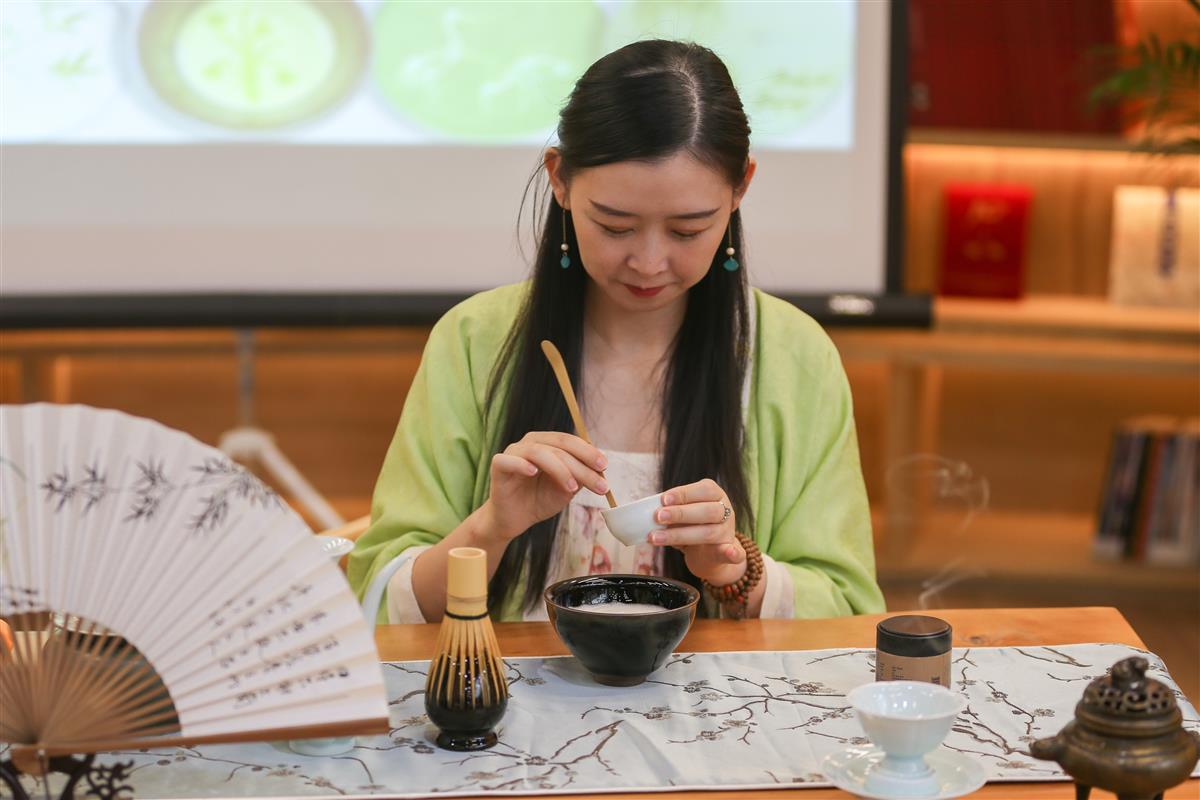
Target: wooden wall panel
x,y
10,380
334,415
192,393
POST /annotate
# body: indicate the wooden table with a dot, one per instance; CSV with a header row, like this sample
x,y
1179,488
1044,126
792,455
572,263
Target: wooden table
x,y
972,628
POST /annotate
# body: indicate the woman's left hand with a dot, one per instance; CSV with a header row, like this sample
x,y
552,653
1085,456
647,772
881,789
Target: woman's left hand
x,y
698,520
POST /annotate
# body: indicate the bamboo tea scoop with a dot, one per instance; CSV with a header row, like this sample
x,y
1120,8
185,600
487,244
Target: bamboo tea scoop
x,y
564,383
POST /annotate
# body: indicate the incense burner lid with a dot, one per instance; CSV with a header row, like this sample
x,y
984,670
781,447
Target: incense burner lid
x,y
1127,703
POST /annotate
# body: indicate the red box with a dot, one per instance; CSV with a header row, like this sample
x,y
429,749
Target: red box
x,y
983,252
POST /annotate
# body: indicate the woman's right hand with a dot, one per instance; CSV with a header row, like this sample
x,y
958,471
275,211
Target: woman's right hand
x,y
536,477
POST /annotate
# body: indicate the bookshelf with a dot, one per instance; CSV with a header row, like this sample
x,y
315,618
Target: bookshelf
x,y
1020,139
1081,317
1046,334
1026,547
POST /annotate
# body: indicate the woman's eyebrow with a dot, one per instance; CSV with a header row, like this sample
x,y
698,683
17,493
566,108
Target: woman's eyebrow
x,y
616,212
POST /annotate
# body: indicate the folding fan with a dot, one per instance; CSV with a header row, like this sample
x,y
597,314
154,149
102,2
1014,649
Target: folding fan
x,y
160,594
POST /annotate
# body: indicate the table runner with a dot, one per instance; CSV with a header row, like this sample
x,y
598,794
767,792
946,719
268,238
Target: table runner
x,y
703,721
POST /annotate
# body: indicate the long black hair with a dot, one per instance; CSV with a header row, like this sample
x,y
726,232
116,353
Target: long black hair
x,y
644,102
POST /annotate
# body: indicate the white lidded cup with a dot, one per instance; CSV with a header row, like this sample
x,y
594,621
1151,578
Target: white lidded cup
x,y
631,523
906,720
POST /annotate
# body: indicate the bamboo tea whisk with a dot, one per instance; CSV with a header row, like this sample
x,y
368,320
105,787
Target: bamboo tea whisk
x,y
466,692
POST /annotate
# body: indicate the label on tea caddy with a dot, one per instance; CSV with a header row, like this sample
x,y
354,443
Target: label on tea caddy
x,y
932,669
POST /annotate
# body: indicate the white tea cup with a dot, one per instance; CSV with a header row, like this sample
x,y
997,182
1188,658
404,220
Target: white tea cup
x,y
631,523
906,720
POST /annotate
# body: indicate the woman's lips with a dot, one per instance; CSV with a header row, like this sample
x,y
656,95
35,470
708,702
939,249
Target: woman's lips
x,y
639,292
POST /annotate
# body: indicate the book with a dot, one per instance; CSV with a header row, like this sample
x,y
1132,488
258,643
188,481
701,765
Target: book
x,y
983,247
1150,491
1163,481
1174,535
1108,544
1155,250
1149,508
1130,489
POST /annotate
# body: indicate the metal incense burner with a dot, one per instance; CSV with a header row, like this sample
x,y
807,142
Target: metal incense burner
x,y
1127,737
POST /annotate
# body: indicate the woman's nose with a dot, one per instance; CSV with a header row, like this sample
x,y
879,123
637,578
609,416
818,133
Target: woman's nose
x,y
649,256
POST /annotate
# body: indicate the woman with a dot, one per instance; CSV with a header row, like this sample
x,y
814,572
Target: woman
x,y
733,401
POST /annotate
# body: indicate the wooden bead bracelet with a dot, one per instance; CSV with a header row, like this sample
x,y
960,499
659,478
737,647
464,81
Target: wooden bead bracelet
x,y
735,597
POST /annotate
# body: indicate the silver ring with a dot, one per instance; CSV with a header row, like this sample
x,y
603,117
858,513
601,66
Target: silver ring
x,y
728,511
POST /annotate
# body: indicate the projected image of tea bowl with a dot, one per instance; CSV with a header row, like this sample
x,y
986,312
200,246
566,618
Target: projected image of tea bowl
x,y
621,627
793,63
247,66
471,71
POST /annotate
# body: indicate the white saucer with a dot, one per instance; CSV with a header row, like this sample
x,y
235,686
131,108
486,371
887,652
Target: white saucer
x,y
957,773
335,546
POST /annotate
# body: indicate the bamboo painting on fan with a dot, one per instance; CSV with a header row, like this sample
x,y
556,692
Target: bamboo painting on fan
x,y
159,594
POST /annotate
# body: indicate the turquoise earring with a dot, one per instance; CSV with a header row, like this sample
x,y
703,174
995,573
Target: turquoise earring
x,y
565,261
731,264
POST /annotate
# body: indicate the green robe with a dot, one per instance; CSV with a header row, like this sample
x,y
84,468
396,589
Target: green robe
x,y
801,453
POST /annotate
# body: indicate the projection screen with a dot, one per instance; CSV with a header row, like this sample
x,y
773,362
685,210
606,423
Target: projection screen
x,y
200,148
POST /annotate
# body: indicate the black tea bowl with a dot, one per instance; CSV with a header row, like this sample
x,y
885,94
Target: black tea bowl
x,y
621,649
